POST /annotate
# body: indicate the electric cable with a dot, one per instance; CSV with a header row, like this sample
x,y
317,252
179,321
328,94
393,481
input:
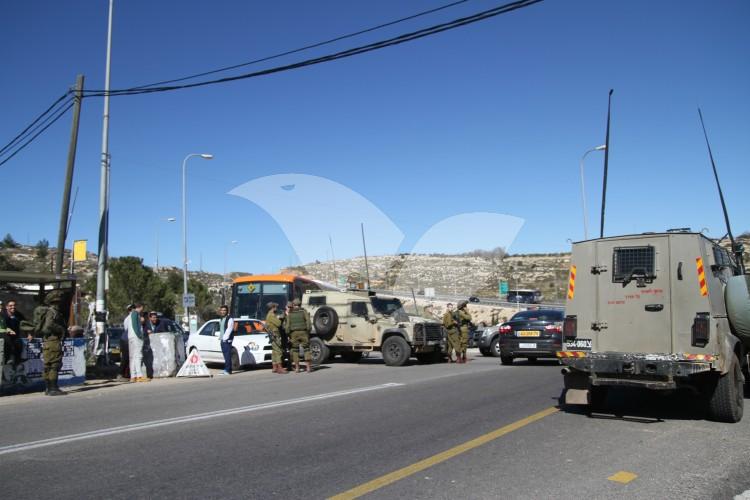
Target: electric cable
x,y
20,136
23,146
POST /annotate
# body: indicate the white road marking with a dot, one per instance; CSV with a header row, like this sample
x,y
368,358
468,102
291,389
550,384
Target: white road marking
x,y
14,448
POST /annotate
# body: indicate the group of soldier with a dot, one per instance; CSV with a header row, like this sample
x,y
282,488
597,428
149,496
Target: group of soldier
x,y
49,324
457,323
296,324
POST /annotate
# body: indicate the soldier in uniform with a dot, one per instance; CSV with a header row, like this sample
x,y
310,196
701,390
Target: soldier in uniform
x,y
298,326
451,326
273,325
50,323
464,320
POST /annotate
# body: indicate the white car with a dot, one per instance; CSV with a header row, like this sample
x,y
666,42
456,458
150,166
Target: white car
x,y
251,344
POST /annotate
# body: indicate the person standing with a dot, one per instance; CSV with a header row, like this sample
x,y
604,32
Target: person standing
x,y
135,343
50,324
464,320
226,336
124,348
298,325
273,325
13,344
451,326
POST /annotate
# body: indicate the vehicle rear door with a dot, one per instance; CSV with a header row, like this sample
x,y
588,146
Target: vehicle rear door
x,y
207,341
632,305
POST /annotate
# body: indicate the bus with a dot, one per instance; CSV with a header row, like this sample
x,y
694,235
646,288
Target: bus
x,y
250,294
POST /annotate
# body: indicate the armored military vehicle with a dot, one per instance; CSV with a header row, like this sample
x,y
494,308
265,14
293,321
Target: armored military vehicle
x,y
658,311
352,323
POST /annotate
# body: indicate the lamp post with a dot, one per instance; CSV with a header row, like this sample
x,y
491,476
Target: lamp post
x,y
205,156
583,192
518,294
165,219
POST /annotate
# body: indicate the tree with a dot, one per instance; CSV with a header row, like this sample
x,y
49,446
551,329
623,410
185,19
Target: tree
x,y
42,249
130,281
204,302
9,242
7,264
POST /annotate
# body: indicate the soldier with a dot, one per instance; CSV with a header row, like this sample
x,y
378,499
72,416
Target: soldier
x,y
464,320
273,324
451,325
297,324
50,324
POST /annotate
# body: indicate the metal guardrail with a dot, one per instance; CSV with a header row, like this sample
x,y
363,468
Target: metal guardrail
x,y
482,300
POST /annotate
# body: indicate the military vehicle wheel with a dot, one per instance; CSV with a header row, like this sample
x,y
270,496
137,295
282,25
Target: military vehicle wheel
x,y
727,401
484,351
325,321
351,357
495,347
506,360
396,351
318,351
235,360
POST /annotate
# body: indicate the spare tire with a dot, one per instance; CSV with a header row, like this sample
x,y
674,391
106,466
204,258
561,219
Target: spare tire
x,y
325,321
737,295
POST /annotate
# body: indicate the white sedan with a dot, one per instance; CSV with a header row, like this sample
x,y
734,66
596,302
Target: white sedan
x,y
251,345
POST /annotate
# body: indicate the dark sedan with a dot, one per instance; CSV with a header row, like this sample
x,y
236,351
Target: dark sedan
x,y
531,334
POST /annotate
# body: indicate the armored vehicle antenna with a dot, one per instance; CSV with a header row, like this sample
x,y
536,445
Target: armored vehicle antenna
x,y
735,247
606,164
364,247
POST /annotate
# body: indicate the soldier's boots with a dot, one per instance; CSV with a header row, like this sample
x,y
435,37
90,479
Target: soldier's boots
x,y
279,368
53,390
309,367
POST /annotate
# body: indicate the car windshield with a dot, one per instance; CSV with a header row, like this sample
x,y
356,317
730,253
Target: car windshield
x,y
386,306
538,315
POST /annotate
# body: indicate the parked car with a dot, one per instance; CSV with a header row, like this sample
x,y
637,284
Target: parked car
x,y
251,344
525,296
483,339
530,334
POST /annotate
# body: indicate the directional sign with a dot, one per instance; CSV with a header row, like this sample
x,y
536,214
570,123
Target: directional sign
x,y
188,300
503,288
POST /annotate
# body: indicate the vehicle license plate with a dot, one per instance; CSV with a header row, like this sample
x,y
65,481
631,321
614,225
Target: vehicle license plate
x,y
527,333
527,346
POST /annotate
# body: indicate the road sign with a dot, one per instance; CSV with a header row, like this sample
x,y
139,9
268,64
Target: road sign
x,y
194,366
188,300
503,288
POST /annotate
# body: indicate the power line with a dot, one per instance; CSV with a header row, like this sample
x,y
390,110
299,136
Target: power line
x,y
307,47
23,146
20,136
432,30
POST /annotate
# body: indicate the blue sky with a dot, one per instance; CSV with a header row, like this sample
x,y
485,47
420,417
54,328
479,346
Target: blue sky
x,y
490,118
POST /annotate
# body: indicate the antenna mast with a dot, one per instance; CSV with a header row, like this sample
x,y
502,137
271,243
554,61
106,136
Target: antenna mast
x,y
606,165
735,248
364,246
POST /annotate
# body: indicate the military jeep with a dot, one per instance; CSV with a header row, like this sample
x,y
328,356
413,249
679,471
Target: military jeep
x,y
353,323
658,311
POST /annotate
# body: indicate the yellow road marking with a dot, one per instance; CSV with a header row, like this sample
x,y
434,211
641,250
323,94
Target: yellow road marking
x,y
623,477
407,471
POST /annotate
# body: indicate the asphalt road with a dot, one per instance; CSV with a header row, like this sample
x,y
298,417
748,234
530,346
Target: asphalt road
x,y
479,430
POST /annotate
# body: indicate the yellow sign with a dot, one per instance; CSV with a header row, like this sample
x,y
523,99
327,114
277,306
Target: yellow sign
x,y
79,250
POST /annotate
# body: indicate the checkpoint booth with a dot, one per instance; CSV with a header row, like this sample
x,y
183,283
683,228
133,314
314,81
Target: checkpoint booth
x,y
28,291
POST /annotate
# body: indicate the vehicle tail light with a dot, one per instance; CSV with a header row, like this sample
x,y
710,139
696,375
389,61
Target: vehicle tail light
x,y
570,327
505,329
556,328
701,329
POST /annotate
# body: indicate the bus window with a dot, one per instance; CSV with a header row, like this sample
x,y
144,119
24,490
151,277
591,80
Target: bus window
x,y
246,300
275,292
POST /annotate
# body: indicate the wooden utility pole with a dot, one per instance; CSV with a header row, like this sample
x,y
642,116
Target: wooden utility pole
x,y
65,208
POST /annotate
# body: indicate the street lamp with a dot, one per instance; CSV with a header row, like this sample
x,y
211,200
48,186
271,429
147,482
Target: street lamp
x,y
518,295
583,192
205,156
226,279
161,219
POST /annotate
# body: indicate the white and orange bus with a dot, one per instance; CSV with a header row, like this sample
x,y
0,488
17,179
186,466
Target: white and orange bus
x,y
250,294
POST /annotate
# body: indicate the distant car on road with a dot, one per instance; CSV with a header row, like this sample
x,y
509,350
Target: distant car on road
x,y
530,334
474,299
525,296
251,344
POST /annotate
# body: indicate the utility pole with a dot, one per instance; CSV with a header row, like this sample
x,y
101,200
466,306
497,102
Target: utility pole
x,y
65,208
101,305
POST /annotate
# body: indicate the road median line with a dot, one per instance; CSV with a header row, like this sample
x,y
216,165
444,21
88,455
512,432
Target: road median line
x,y
409,470
14,448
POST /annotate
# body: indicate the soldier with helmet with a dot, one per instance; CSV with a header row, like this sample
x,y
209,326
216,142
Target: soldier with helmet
x,y
451,326
298,326
464,320
273,324
50,324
